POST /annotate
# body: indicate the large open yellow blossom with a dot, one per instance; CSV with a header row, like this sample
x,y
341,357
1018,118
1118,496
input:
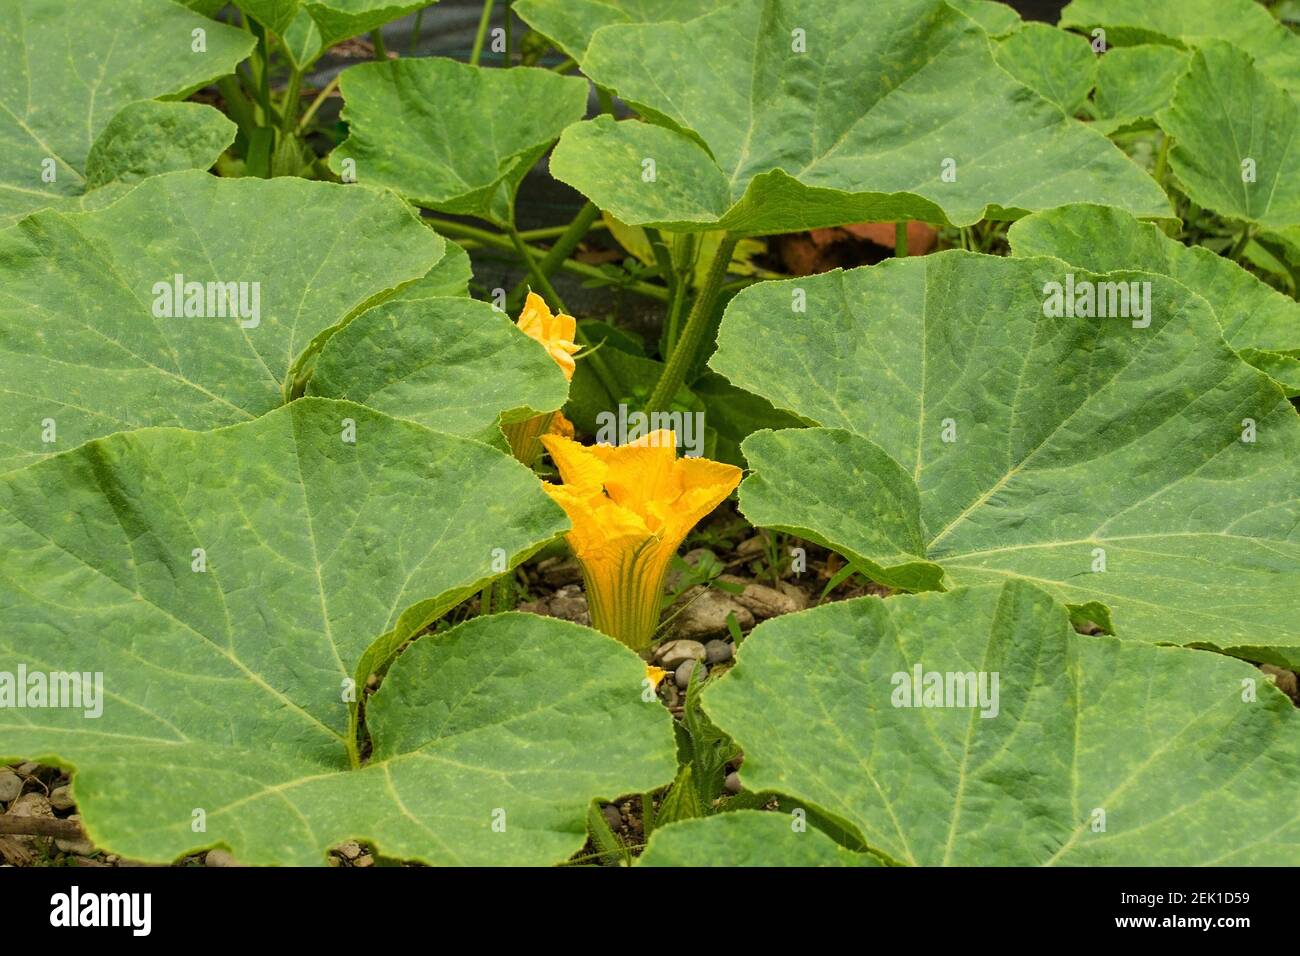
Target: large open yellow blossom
x,y
631,507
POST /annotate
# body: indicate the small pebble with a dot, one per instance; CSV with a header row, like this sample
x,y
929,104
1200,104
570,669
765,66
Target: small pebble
x,y
704,615
732,783
10,786
27,769
682,677
350,850
762,601
717,652
672,654
365,860
219,858
61,798
76,847
31,805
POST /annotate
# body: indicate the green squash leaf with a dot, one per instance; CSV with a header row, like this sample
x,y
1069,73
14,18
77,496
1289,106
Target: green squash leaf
x,y
1135,83
227,691
1144,474
148,138
1188,768
1057,65
571,23
53,108
454,365
83,352
997,18
1243,23
1233,133
756,137
1256,319
209,8
746,838
334,20
450,276
452,137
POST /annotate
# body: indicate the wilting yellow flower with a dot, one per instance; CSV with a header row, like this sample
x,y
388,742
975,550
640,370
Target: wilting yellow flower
x,y
561,426
555,332
656,674
631,507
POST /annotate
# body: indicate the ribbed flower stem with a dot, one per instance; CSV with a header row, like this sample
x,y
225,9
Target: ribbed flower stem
x,y
697,322
626,607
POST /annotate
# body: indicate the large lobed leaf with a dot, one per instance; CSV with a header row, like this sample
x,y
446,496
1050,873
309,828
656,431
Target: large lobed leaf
x,y
1260,323
756,137
65,81
226,688
453,137
1134,84
1096,752
1243,23
1057,65
1104,461
79,341
1234,133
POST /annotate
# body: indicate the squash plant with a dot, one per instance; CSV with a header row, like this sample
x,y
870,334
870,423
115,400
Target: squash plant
x,y
256,457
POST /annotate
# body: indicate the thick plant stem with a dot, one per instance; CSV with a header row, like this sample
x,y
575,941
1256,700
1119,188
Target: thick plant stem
x,y
377,41
481,35
503,593
1240,246
415,33
238,105
1162,161
321,97
696,322
562,249
289,108
534,270
900,239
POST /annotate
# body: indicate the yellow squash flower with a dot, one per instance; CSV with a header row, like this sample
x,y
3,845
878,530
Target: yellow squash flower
x,y
555,332
631,507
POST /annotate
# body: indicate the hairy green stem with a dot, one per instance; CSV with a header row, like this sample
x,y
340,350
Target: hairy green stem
x,y
1162,161
900,239
415,32
553,232
460,230
1240,245
481,35
377,41
316,104
607,379
697,321
543,281
289,108
563,248
238,105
